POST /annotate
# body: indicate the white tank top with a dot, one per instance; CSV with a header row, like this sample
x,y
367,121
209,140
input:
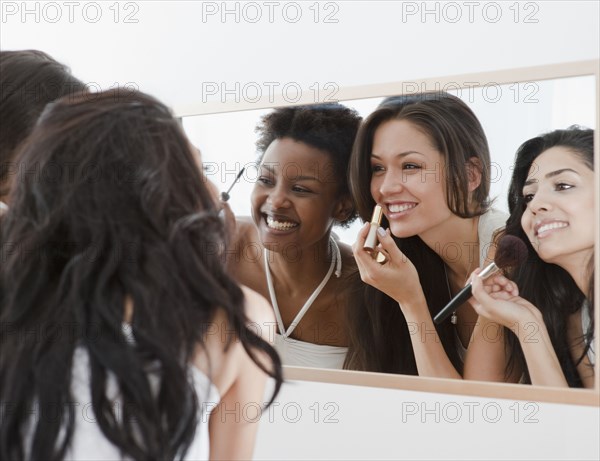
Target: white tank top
x,y
303,354
88,441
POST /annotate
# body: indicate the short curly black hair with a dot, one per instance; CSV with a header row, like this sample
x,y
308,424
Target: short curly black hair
x,y
331,127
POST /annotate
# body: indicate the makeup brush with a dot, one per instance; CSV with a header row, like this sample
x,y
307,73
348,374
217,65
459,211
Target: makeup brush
x,y
511,252
225,195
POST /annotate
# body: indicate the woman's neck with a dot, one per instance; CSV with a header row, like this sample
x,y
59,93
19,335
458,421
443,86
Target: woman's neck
x,y
579,266
456,241
293,271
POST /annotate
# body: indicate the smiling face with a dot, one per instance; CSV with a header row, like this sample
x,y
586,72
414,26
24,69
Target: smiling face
x,y
408,179
295,199
559,219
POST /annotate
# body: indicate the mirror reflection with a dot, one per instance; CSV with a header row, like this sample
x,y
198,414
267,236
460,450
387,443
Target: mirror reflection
x,y
285,208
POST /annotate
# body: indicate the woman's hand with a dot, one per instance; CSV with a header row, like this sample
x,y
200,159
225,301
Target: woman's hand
x,y
497,299
397,277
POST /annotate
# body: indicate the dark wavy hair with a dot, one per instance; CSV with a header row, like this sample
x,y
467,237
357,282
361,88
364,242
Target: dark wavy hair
x,y
29,79
330,127
380,338
547,286
117,210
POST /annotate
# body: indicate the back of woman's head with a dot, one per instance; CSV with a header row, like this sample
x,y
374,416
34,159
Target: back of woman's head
x,y
29,80
108,166
454,131
113,208
548,286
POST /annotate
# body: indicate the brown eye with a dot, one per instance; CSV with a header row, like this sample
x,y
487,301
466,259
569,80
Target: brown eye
x,y
301,189
264,180
563,186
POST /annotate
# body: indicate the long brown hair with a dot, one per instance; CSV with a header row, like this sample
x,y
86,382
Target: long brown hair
x,y
547,286
380,336
117,210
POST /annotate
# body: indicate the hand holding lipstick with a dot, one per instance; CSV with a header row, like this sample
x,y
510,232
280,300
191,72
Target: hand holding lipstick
x,y
397,278
370,244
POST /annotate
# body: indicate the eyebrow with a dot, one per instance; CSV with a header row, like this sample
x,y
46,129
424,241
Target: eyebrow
x,y
551,175
401,154
271,170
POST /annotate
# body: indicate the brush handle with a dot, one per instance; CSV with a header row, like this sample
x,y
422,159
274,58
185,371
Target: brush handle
x,y
463,295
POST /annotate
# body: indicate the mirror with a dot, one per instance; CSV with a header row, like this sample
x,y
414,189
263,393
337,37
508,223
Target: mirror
x,y
512,106
510,114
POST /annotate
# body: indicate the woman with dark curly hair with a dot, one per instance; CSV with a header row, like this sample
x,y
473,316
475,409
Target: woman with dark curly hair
x,y
549,305
287,252
29,79
120,330
425,160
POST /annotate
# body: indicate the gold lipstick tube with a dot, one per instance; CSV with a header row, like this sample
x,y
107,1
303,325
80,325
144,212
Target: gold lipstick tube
x,y
371,240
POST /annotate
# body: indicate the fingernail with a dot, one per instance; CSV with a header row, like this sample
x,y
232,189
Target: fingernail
x,y
381,231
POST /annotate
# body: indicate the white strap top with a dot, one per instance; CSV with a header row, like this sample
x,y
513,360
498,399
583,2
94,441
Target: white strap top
x,y
300,353
312,297
88,441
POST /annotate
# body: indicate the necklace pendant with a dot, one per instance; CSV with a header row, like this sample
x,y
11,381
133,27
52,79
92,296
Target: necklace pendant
x,y
454,318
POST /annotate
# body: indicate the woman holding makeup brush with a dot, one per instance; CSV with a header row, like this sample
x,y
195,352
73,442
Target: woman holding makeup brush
x,y
425,160
287,252
548,307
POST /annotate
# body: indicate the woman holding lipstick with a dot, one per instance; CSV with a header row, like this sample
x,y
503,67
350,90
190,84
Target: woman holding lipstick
x,y
286,252
425,160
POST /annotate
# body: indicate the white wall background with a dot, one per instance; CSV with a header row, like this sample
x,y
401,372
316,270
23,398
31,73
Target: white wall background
x,y
181,52
332,421
509,114
176,49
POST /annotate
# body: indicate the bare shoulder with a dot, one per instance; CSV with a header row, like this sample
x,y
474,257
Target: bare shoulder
x,y
245,231
258,310
224,362
244,249
345,251
349,267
